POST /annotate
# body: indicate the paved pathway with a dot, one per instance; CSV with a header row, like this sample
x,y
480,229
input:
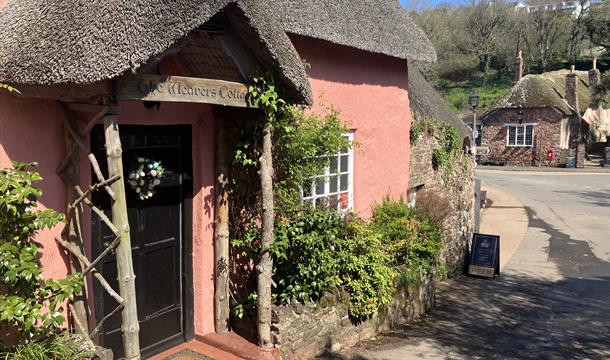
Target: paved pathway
x,y
553,299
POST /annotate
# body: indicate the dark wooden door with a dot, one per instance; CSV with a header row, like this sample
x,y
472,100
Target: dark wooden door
x,y
159,235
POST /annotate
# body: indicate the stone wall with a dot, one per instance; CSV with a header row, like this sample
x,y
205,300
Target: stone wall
x,y
547,136
303,331
454,183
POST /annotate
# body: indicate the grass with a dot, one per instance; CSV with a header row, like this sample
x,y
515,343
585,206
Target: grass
x,y
61,347
491,90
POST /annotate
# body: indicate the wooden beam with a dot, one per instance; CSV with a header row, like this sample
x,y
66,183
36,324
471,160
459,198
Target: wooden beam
x,y
265,265
71,177
126,276
184,89
221,231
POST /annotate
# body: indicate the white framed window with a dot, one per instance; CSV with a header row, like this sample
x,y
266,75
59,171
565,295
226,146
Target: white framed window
x,y
333,187
520,135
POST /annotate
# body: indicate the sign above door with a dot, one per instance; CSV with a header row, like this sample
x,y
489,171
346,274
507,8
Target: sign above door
x,y
184,89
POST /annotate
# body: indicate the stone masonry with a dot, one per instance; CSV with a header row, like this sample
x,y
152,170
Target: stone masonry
x,y
456,184
303,331
547,137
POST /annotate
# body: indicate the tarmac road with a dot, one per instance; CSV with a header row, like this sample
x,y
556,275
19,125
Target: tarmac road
x,y
553,298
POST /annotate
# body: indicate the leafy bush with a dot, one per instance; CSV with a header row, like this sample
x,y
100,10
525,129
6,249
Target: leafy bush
x,y
305,252
316,251
62,347
434,206
440,158
411,238
449,141
366,269
30,305
416,131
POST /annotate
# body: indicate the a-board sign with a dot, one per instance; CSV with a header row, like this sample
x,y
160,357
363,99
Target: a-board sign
x,y
184,89
485,256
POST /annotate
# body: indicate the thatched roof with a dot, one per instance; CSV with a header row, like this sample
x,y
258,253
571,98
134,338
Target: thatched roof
x,y
68,41
426,102
547,90
379,26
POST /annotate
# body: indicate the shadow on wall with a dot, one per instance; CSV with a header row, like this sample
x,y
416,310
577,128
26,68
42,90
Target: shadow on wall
x,y
343,64
517,316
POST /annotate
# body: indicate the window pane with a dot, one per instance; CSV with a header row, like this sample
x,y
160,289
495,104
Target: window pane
x,y
511,135
307,188
334,184
322,203
334,165
344,201
529,135
320,188
333,202
344,183
520,135
344,163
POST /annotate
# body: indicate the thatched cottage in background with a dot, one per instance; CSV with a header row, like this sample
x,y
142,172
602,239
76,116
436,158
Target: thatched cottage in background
x,y
168,75
545,120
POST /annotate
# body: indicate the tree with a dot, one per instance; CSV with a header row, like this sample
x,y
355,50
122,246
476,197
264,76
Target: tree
x,y
578,31
597,24
485,22
546,32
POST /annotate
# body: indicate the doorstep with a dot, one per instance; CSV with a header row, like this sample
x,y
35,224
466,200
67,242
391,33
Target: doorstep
x,y
194,350
229,346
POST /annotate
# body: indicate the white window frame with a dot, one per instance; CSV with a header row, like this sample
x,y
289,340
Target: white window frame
x,y
313,197
517,127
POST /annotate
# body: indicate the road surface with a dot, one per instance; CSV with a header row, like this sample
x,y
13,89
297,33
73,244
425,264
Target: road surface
x,y
553,298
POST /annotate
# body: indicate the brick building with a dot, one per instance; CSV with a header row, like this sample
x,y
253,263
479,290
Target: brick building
x,y
539,122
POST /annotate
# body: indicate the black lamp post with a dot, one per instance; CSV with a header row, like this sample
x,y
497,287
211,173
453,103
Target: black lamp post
x,y
474,103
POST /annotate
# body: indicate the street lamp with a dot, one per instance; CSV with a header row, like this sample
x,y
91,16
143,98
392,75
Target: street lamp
x,y
474,103
520,116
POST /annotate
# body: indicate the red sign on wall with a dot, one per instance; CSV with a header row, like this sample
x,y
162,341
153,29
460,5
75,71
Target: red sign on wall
x,y
550,155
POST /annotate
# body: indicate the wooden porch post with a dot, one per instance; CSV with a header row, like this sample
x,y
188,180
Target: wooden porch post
x,y
221,233
71,176
265,266
126,277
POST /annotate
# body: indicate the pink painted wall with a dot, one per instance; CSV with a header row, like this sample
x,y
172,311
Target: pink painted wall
x,y
371,92
31,130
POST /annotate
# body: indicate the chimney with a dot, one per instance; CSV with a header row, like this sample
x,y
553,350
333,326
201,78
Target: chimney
x,y
570,95
594,76
518,66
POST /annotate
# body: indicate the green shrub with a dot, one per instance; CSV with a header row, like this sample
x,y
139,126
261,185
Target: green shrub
x,y
366,269
305,254
440,158
410,237
396,224
30,305
416,131
451,139
62,347
316,251
423,250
